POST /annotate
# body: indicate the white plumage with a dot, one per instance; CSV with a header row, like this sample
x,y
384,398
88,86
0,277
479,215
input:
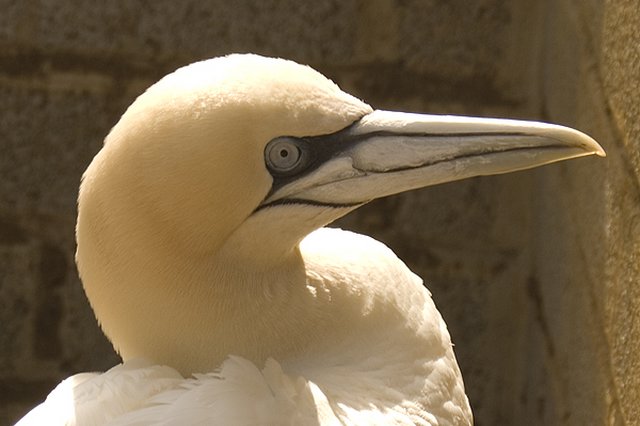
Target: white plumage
x,y
202,252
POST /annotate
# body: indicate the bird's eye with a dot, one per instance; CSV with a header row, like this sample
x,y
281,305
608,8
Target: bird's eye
x,y
284,155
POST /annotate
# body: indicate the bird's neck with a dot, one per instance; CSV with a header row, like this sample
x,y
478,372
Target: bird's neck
x,y
192,310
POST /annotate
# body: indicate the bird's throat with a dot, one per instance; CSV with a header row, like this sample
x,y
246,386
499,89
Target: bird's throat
x,y
192,312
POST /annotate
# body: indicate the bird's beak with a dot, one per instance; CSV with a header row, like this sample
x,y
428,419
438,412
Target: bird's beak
x,y
387,152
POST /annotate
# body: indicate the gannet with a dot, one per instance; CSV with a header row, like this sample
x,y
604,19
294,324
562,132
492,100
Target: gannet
x,y
203,253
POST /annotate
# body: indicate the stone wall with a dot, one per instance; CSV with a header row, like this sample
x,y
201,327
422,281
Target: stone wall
x,y
536,273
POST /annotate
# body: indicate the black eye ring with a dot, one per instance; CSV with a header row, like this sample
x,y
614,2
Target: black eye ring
x,y
285,156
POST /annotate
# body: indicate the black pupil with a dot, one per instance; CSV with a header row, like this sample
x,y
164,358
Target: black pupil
x,y
284,153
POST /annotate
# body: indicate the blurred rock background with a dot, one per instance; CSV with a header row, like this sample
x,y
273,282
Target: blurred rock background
x,y
536,273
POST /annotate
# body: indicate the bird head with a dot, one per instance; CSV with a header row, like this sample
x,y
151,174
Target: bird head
x,y
191,149
234,160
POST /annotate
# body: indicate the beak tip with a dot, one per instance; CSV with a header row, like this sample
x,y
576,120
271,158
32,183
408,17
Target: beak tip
x,y
586,142
594,147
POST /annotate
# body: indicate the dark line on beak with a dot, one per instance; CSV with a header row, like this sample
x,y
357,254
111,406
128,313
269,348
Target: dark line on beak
x,y
299,201
359,137
472,155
